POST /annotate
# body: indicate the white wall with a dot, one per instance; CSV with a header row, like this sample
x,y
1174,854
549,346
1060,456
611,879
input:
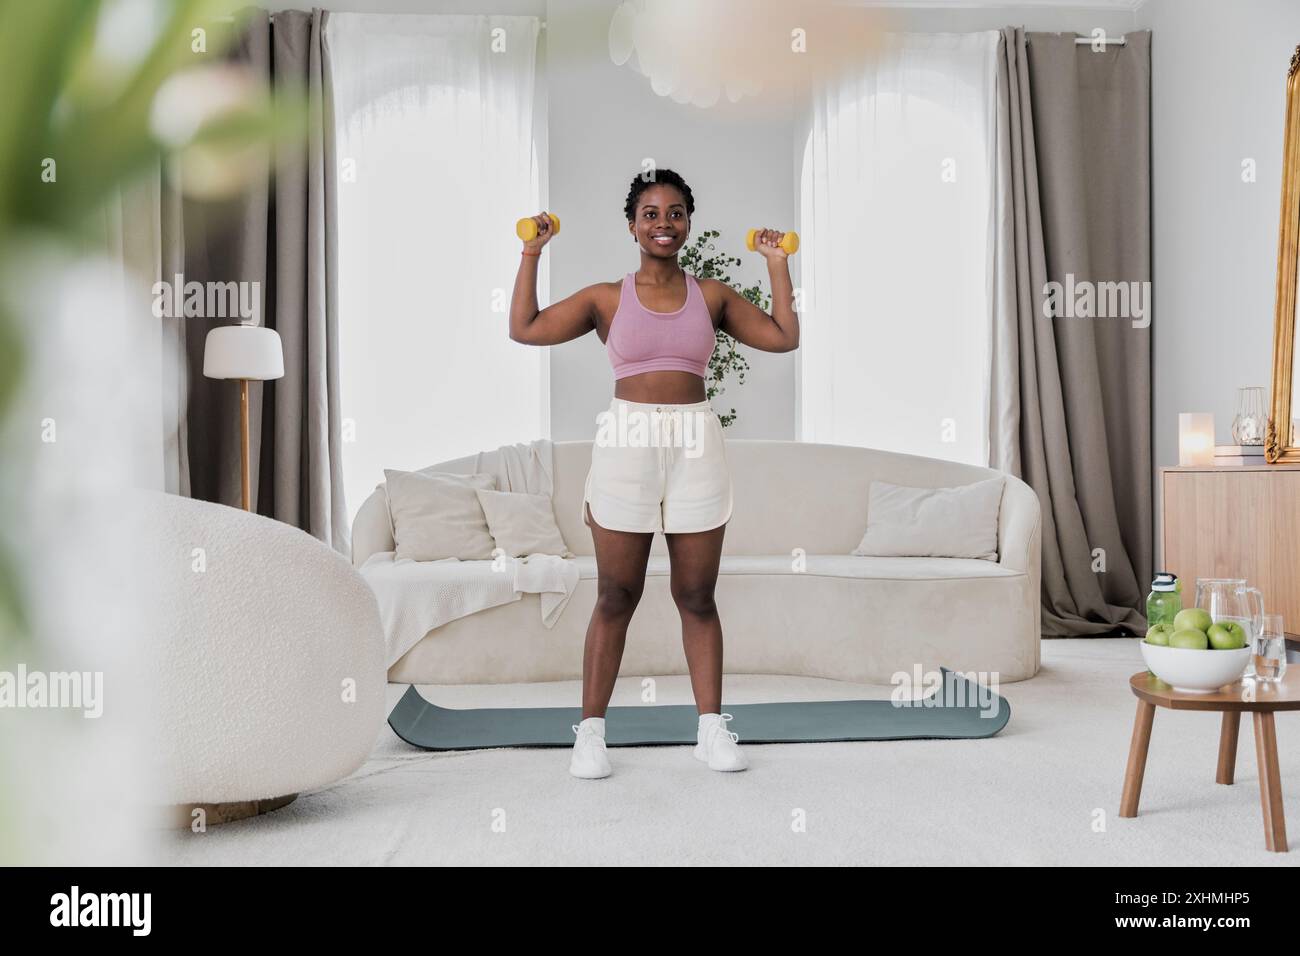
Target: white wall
x,y
1219,92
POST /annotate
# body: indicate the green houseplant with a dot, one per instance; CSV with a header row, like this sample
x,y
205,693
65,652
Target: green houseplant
x,y
701,259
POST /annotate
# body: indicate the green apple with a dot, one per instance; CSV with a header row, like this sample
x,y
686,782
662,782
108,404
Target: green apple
x,y
1190,639
1193,618
1159,634
1226,636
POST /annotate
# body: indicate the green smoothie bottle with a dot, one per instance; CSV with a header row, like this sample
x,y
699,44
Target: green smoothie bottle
x,y
1165,600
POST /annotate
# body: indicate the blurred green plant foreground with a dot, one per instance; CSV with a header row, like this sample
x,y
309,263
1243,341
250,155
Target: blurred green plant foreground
x,y
82,120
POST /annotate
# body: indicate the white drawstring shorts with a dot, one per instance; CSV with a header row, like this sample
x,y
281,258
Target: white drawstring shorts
x,y
658,467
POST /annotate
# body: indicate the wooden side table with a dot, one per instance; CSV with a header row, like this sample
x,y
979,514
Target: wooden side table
x,y
1258,698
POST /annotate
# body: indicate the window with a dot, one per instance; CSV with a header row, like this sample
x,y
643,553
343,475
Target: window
x,y
896,188
434,126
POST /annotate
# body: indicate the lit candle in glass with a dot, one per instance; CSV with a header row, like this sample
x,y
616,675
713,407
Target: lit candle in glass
x,y
1196,438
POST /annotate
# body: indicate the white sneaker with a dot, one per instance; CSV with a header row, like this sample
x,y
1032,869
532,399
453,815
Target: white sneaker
x,y
589,760
717,745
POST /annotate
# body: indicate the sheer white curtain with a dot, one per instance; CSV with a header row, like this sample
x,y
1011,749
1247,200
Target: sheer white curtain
x,y
435,128
896,197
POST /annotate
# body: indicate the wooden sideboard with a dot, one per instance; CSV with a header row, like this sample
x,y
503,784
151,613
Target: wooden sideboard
x,y
1236,522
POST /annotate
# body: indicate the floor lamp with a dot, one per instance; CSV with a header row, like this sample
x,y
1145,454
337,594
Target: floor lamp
x,y
248,353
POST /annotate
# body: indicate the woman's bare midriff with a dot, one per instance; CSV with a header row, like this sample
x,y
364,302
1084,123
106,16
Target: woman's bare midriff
x,y
670,388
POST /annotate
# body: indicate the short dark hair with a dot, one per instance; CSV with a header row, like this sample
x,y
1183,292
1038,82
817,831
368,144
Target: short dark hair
x,y
660,177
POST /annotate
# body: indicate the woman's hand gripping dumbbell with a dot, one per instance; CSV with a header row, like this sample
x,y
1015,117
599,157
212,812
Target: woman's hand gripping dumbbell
x,y
537,231
772,240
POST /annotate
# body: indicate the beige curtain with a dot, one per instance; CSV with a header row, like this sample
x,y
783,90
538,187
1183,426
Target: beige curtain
x,y
282,235
1071,395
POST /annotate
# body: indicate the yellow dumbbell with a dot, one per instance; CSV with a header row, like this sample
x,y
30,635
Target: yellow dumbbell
x,y
526,229
789,241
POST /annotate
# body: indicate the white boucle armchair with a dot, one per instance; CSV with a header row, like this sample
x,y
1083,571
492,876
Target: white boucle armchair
x,y
269,659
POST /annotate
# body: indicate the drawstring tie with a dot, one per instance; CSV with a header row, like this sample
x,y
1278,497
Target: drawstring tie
x,y
668,422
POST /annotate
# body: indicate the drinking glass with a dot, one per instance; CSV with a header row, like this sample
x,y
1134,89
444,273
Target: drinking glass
x,y
1269,653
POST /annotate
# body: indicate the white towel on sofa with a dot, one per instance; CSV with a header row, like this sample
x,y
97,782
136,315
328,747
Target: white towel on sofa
x,y
417,596
527,468
524,467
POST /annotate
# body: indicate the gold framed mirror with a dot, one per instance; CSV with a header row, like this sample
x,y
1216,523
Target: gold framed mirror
x,y
1282,441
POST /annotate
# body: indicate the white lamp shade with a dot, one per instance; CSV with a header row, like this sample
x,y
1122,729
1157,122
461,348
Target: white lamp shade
x,y
243,351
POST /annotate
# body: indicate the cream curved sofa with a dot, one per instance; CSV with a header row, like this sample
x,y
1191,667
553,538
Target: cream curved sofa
x,y
792,598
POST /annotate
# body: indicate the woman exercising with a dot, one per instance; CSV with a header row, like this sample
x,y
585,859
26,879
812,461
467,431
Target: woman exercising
x,y
659,461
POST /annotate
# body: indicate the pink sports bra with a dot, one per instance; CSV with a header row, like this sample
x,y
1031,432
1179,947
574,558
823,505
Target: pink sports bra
x,y
644,341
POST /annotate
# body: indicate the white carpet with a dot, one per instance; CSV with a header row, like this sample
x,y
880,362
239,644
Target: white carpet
x,y
1044,791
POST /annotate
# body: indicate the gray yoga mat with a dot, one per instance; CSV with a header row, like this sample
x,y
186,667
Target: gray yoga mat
x,y
959,709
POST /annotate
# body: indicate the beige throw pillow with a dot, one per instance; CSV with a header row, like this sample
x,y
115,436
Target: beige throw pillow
x,y
959,522
437,516
522,524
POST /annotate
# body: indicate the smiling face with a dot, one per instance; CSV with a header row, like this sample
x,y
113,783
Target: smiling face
x,y
661,224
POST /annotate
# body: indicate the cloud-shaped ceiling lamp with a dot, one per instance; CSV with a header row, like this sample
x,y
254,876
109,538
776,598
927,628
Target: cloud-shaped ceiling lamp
x,y
695,52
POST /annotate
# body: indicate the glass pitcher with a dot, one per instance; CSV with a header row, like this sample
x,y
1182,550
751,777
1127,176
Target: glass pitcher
x,y
1231,599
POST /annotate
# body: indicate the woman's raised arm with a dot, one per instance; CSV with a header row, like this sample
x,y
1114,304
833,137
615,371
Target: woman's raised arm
x,y
559,322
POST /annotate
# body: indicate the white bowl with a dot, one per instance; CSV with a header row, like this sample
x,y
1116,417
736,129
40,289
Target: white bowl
x,y
1195,672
